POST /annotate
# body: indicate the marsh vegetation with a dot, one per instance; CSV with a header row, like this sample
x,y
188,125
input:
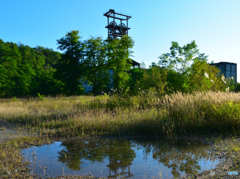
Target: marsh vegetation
x,y
198,114
147,114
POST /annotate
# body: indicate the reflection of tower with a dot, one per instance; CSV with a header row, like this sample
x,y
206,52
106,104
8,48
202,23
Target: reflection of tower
x,y
115,165
117,29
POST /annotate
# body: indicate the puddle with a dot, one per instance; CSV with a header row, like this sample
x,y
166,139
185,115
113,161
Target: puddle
x,y
124,157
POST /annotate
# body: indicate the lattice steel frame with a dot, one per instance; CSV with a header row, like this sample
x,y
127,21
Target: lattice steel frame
x,y
116,30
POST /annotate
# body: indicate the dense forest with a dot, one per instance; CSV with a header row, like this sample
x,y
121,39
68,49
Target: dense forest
x,y
26,71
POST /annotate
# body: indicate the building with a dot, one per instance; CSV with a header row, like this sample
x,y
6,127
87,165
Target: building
x,y
228,69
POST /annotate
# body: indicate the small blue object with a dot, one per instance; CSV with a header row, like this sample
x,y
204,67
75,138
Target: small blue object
x,y
233,173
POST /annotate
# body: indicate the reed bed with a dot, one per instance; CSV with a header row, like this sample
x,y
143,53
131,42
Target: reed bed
x,y
176,114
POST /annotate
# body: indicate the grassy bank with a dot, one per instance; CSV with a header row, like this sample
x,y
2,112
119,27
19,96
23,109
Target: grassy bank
x,y
176,115
169,115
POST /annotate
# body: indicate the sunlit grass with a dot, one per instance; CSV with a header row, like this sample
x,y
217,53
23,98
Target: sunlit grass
x,y
176,114
170,115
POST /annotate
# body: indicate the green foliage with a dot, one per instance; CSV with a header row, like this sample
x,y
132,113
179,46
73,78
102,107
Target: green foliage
x,y
48,83
153,79
40,97
70,67
135,75
9,60
119,53
96,69
177,82
177,62
189,71
179,57
24,71
15,99
230,84
30,70
237,88
204,77
227,114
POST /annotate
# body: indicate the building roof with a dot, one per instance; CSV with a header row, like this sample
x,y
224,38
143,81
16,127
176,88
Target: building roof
x,y
222,63
134,63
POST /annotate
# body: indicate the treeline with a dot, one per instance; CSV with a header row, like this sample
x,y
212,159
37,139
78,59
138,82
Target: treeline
x,y
90,61
26,71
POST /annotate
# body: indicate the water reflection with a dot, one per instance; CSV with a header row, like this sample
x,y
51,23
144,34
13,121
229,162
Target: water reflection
x,y
178,155
118,151
128,158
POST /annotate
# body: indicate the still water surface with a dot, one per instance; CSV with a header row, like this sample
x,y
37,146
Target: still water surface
x,y
125,157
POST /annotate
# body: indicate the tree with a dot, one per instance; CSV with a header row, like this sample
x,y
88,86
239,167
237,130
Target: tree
x,y
153,79
187,68
51,57
179,58
48,84
237,89
30,71
9,58
177,62
119,53
26,71
230,84
204,77
96,64
135,75
70,67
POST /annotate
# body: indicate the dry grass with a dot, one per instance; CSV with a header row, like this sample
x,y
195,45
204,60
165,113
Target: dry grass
x,y
169,115
2,128
11,160
177,114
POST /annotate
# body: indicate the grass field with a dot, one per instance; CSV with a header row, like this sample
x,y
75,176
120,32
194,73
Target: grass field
x,y
204,114
169,115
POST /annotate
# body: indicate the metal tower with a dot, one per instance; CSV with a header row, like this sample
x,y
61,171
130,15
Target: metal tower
x,y
115,29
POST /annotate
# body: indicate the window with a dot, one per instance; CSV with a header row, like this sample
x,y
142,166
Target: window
x,y
234,68
227,74
222,69
228,68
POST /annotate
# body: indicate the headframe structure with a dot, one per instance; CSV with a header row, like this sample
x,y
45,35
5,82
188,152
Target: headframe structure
x,y
116,30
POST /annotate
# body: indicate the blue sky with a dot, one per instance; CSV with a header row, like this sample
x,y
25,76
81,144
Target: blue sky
x,y
213,24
